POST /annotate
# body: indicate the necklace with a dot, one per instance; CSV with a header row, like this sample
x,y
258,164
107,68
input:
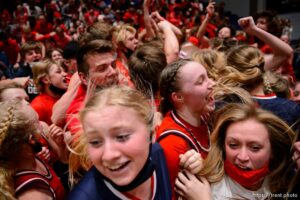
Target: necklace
x,y
177,120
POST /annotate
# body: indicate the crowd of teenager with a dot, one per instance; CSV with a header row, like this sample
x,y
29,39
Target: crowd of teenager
x,y
147,100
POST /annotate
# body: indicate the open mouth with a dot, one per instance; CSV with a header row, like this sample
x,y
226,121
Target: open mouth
x,y
65,80
243,168
118,167
210,98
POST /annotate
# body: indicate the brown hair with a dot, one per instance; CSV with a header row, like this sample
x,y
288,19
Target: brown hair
x,y
97,31
50,51
90,48
145,67
169,83
28,46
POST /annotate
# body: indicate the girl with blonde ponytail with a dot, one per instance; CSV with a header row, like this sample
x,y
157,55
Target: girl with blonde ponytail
x,y
22,174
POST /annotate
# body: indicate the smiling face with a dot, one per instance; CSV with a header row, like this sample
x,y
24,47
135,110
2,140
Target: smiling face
x,y
102,71
57,76
196,88
117,148
56,55
247,144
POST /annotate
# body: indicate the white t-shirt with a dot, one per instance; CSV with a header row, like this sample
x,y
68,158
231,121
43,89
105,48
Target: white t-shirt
x,y
229,189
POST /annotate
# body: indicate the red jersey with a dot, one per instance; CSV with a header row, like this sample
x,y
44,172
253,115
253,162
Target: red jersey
x,y
176,137
43,105
30,179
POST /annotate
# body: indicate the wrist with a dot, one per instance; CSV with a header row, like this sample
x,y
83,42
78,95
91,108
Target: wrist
x,y
254,31
208,16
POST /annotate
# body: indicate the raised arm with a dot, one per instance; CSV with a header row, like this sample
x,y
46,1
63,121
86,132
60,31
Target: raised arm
x,y
281,50
171,44
23,81
157,17
210,9
147,19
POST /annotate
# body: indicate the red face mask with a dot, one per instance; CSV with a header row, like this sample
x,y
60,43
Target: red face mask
x,y
245,178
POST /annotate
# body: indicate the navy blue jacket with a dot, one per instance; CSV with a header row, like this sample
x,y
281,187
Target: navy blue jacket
x,y
287,110
92,186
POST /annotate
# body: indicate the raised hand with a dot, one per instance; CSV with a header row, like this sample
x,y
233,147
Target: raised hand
x,y
247,23
157,17
191,161
210,9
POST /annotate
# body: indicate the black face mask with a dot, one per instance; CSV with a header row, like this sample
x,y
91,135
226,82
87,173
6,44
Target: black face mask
x,y
57,90
143,175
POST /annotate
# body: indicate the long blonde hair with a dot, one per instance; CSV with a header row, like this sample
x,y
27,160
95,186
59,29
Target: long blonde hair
x,y
15,129
281,138
40,70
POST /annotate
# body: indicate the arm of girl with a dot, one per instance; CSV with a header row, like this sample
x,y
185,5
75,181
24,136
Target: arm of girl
x,y
192,188
281,50
171,44
147,19
210,9
191,161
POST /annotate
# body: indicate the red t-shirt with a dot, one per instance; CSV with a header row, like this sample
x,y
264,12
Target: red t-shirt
x,y
30,179
43,105
124,77
174,145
